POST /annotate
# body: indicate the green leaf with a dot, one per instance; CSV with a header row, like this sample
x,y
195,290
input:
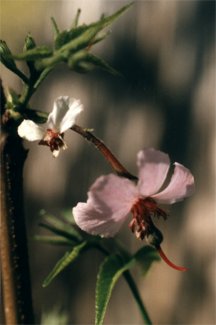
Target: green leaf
x,y
36,53
145,257
110,271
98,62
66,36
58,227
106,21
55,27
68,258
6,56
79,38
54,240
76,20
8,61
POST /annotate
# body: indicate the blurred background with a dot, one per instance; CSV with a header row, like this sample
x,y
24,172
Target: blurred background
x,y
166,100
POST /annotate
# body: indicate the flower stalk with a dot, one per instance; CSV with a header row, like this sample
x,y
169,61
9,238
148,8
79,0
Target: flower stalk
x,y
105,151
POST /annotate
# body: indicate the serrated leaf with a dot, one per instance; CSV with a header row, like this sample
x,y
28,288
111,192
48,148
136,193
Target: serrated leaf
x,y
67,259
111,270
109,273
145,257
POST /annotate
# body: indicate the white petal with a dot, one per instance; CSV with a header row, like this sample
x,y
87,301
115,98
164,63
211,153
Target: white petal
x,y
64,113
30,131
75,108
55,153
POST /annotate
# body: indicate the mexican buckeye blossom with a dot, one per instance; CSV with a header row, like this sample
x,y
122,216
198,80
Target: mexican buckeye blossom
x,y
111,198
62,118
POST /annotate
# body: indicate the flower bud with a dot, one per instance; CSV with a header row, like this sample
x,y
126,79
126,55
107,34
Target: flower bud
x,y
29,43
6,56
155,237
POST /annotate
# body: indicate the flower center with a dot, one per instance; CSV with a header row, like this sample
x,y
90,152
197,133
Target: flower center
x,y
54,140
142,225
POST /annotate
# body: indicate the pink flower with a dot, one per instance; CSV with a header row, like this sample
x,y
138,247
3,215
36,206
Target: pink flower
x,y
63,116
111,198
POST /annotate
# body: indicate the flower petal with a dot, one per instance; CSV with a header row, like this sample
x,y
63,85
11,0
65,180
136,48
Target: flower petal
x,y
109,201
97,222
30,130
181,185
75,108
114,192
153,168
64,113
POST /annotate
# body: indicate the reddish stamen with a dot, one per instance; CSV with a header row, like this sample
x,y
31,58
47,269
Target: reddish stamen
x,y
167,261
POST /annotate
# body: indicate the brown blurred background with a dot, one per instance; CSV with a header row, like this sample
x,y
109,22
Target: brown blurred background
x,y
166,100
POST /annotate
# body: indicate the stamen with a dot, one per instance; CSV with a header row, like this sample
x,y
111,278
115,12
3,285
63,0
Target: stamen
x,y
167,261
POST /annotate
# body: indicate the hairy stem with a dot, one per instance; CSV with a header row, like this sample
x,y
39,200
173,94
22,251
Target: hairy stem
x,y
16,288
105,151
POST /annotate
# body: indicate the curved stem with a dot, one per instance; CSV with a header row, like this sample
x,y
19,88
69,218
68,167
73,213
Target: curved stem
x,y
137,297
105,151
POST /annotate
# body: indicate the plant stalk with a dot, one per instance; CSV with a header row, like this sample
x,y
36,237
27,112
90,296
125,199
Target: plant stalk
x,y
105,151
16,286
137,297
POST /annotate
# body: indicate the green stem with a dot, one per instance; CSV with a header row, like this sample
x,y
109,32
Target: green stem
x,y
137,297
26,95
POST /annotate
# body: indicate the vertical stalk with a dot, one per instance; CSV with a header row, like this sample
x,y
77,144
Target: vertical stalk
x,y
134,290
16,287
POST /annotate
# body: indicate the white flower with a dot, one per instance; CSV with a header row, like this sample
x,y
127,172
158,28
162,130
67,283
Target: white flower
x,y
62,118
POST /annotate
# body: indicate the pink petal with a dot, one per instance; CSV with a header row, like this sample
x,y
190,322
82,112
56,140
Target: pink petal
x,y
97,222
113,191
181,185
153,168
109,201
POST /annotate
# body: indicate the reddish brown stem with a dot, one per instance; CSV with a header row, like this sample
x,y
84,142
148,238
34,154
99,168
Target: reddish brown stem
x,y
16,286
167,261
105,151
